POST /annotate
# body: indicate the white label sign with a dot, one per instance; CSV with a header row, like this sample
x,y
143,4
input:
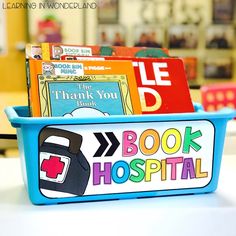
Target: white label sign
x,y
62,68
148,156
59,51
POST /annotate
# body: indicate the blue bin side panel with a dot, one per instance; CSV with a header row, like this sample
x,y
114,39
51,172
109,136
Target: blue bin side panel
x,y
94,131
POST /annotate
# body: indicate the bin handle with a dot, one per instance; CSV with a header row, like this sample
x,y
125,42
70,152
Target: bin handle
x,y
75,139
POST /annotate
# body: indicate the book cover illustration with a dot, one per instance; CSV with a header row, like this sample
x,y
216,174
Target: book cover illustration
x,y
162,85
79,96
33,51
56,51
121,80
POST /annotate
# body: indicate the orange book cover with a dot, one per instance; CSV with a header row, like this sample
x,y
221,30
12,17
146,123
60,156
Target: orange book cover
x,y
55,51
79,74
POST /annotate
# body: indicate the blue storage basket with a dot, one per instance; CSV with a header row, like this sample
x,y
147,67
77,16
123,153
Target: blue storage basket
x,y
119,157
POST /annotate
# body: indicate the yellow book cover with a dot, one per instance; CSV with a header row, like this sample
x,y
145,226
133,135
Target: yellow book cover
x,y
62,88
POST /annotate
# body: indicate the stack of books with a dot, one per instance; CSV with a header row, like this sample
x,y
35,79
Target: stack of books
x,y
82,81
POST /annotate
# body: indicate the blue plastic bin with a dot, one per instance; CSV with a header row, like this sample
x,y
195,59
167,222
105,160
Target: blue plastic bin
x,y
119,157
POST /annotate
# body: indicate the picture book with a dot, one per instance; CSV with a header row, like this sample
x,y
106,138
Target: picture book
x,y
162,85
57,51
60,87
97,95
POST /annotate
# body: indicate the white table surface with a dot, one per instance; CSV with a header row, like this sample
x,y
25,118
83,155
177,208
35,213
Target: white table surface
x,y
230,138
231,127
204,214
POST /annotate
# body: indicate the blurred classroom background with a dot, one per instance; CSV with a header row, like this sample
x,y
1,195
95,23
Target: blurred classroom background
x,y
202,32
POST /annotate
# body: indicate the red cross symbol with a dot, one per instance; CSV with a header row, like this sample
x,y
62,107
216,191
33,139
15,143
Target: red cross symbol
x,y
53,167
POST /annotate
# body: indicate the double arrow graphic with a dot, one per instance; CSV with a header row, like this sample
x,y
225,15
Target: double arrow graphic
x,y
104,144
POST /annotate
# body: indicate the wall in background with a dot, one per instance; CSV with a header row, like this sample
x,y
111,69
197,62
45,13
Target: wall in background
x,y
3,32
71,20
12,61
207,63
81,26
134,13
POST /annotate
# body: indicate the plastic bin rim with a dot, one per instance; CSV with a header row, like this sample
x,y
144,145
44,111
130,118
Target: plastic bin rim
x,y
16,120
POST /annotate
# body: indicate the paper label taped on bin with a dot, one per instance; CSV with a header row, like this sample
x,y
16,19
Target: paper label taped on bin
x,y
126,158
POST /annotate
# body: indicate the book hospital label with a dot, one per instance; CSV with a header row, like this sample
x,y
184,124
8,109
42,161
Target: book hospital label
x,y
146,156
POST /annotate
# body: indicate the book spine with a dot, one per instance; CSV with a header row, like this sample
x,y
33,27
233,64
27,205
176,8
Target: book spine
x,y
28,84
